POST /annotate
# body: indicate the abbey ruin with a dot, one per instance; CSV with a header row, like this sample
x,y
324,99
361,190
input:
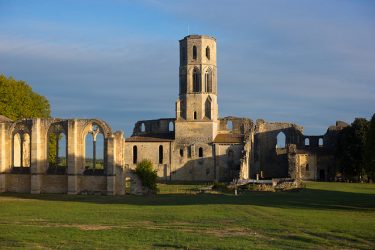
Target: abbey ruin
x,y
195,146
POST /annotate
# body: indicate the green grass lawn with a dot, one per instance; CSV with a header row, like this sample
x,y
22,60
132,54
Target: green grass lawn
x,y
325,215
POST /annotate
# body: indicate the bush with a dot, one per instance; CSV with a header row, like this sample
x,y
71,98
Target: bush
x,y
147,174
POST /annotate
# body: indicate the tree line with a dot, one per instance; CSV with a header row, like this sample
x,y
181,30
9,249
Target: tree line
x,y
355,152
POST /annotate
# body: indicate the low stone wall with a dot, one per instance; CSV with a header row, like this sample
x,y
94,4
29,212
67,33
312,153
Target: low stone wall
x,y
54,184
93,184
18,183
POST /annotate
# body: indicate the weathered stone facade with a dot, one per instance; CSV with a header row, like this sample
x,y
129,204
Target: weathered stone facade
x,y
194,146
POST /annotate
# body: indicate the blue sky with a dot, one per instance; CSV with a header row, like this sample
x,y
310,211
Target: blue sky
x,y
308,62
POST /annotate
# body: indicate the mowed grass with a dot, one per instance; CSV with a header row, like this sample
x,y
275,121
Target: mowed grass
x,y
324,215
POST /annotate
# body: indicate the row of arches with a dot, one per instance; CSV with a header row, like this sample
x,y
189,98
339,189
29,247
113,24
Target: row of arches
x,y
281,141
56,147
170,127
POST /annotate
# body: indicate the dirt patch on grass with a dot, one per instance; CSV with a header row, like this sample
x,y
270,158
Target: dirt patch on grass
x,y
92,227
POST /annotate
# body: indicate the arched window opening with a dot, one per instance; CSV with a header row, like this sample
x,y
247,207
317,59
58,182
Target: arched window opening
x,y
307,167
135,155
181,152
208,81
161,154
57,153
94,152
320,142
196,80
208,53
99,152
281,140
143,127
200,152
171,126
307,142
195,115
89,152
194,52
229,125
17,156
208,108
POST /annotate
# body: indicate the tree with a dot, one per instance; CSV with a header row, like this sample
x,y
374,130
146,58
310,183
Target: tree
x,y
351,149
370,150
147,174
17,100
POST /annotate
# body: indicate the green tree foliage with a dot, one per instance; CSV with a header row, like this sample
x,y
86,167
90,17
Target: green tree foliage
x,y
351,149
147,174
370,150
17,100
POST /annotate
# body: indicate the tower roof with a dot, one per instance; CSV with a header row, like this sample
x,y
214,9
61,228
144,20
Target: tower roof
x,y
198,37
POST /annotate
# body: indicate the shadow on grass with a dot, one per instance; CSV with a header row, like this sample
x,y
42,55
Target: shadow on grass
x,y
307,198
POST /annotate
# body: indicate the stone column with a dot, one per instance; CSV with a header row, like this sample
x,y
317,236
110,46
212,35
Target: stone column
x,y
110,168
2,157
72,157
36,161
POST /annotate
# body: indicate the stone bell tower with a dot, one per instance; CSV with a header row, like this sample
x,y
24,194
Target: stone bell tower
x,y
196,107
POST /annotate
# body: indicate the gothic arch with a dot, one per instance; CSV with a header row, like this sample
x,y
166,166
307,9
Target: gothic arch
x,y
196,80
208,80
208,107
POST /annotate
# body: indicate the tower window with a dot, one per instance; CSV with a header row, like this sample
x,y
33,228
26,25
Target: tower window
x,y
181,152
195,115
208,80
194,52
200,152
208,53
196,80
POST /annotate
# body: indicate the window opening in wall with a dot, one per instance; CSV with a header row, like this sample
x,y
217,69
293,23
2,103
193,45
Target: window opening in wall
x,y
307,167
195,115
194,52
207,108
170,126
94,151
160,154
17,155
320,142
229,125
307,142
135,154
181,152
196,80
189,152
281,140
200,152
208,53
143,127
208,81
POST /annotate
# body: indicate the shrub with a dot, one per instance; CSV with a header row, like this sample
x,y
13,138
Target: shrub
x,y
147,174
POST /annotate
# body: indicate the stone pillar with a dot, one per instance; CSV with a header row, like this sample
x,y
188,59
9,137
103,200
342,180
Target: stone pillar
x,y
293,169
72,157
111,160
36,161
2,157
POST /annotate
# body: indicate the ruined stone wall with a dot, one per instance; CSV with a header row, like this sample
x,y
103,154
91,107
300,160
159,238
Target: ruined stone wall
x,y
33,175
150,151
228,158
